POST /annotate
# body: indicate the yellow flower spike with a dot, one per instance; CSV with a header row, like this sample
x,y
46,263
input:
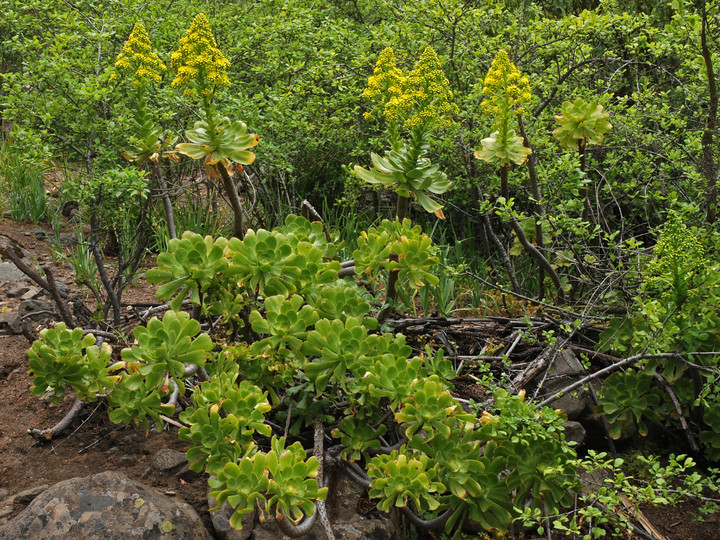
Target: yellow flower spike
x,y
198,60
505,88
138,59
420,98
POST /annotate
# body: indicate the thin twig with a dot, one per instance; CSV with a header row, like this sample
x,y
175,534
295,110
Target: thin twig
x,y
319,433
47,434
678,408
604,371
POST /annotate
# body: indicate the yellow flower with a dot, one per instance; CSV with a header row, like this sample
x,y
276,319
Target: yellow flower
x,y
418,100
386,76
138,58
198,60
505,88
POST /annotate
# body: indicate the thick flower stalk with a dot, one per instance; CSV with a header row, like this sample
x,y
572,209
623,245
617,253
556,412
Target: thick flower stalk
x,y
139,65
198,63
506,91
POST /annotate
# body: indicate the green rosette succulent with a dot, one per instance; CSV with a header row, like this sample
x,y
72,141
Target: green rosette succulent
x,y
219,140
627,400
164,348
408,244
432,409
293,488
581,123
399,479
265,263
337,346
222,422
343,301
409,174
503,149
285,323
298,229
242,485
63,358
136,399
192,265
358,437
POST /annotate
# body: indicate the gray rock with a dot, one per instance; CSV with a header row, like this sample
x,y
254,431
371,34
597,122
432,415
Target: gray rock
x,y
35,309
11,323
564,371
19,251
221,522
31,292
10,272
27,496
6,510
574,431
16,290
127,461
105,506
68,239
61,287
573,403
566,364
3,493
168,459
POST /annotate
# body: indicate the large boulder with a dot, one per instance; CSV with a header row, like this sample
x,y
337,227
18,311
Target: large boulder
x,y
105,506
565,370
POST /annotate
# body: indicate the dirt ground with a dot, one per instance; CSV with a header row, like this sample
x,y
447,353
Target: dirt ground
x,y
94,444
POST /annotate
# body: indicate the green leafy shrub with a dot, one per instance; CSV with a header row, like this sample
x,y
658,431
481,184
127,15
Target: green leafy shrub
x,y
675,317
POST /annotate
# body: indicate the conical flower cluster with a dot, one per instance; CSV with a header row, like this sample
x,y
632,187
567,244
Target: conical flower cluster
x,y
137,58
198,63
417,100
505,88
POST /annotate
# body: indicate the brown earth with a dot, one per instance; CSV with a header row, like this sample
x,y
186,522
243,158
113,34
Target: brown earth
x,y
94,444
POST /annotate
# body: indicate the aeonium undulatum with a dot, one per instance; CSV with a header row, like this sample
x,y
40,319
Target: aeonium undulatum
x,y
223,144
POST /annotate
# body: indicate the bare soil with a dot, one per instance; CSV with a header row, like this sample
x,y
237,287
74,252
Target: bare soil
x,y
94,444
